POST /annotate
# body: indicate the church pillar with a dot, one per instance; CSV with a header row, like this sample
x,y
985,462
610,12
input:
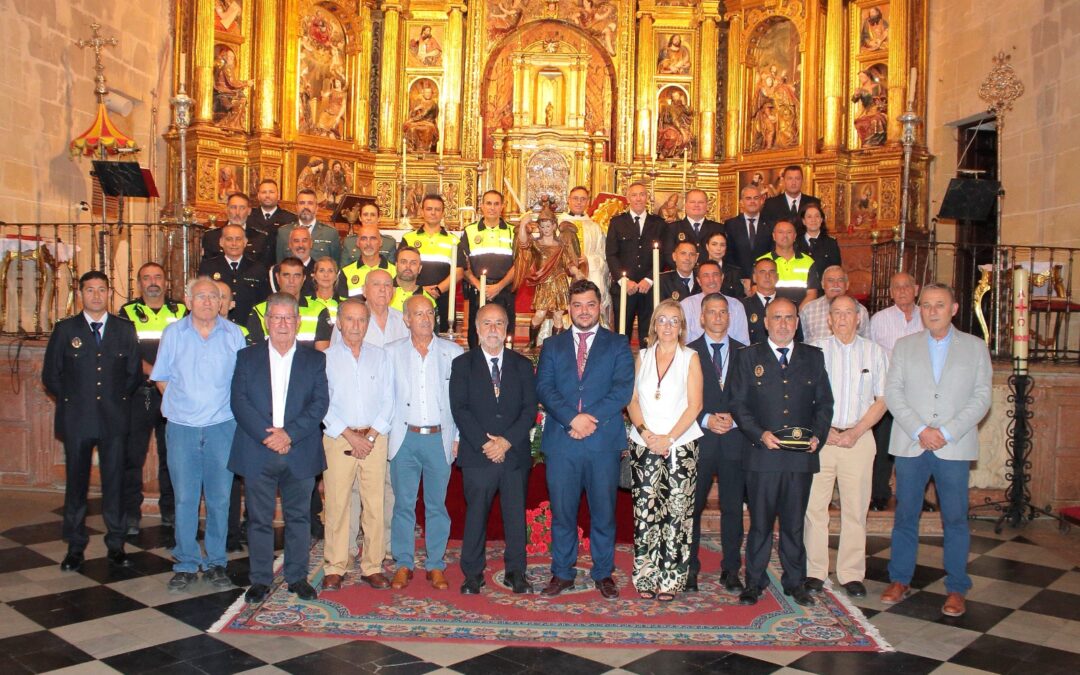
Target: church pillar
x,y
389,117
497,168
266,66
646,66
835,96
597,185
734,94
899,26
362,79
452,81
707,92
526,97
203,38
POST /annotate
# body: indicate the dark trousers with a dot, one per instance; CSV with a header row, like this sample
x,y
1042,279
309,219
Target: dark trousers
x,y
772,495
442,312
883,461
731,486
480,485
505,299
569,472
261,492
234,508
146,419
316,508
639,305
78,453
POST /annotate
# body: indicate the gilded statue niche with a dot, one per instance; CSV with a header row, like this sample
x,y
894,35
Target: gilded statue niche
x,y
421,126
322,76
674,123
871,115
774,71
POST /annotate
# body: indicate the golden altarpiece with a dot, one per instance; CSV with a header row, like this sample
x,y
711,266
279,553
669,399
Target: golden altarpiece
x,y
396,99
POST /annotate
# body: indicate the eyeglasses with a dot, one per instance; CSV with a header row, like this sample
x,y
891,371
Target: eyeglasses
x,y
279,318
668,321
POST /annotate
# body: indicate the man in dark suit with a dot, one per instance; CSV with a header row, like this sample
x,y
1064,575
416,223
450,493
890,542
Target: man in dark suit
x,y
722,448
789,204
679,283
493,399
246,277
238,208
631,237
584,380
780,385
91,367
279,399
268,217
695,227
749,234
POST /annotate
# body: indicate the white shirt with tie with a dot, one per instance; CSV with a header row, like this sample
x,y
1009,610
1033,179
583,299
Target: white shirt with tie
x,y
91,321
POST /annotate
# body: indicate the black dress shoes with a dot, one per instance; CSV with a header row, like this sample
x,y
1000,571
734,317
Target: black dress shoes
x,y
691,583
855,589
518,582
731,581
117,558
472,585
814,585
256,594
750,596
556,586
303,590
800,595
607,588
879,504
72,562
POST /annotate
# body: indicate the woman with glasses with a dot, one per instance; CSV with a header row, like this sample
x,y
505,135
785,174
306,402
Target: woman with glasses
x,y
664,453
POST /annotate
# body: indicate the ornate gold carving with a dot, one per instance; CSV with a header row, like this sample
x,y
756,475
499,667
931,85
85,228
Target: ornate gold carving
x,y
1001,86
207,181
890,199
384,199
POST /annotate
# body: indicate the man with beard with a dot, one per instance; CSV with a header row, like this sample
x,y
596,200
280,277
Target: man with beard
x,y
405,284
324,238
269,218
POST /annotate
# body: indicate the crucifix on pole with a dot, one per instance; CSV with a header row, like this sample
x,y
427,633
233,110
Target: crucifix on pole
x,y
98,43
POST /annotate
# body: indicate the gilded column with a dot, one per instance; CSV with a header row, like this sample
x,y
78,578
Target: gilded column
x,y
362,87
734,93
389,117
525,97
597,164
899,28
835,96
497,145
472,110
203,59
452,80
646,66
266,68
707,91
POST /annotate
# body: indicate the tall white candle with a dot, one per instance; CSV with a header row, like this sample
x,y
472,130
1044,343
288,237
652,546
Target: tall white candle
x,y
655,274
183,69
622,304
912,81
483,289
404,162
1021,325
452,289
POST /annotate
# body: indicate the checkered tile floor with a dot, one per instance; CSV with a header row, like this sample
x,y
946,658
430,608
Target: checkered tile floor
x,y
1023,617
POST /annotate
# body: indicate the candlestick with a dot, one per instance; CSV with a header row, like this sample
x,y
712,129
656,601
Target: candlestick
x,y
1021,327
483,288
622,304
404,162
183,68
442,134
452,290
911,87
655,274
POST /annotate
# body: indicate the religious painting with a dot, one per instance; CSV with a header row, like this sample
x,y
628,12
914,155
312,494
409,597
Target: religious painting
x,y
323,86
598,18
330,179
547,174
673,54
421,127
230,92
766,180
425,46
674,123
230,180
870,113
668,206
775,81
864,206
414,196
227,15
874,28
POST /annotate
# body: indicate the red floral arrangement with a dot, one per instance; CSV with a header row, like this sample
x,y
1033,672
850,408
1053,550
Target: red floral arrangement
x,y
539,523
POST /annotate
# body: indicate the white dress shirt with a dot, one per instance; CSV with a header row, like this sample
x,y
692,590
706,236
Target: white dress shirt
x,y
280,372
424,384
359,396
395,329
856,375
104,318
890,324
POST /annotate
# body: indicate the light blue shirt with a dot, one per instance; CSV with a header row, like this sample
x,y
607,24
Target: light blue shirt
x,y
359,392
939,350
198,372
425,386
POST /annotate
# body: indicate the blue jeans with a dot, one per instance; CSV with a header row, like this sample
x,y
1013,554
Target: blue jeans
x,y
421,456
951,478
198,459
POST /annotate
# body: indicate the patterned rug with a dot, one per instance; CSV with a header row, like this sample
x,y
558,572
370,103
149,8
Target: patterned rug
x,y
709,619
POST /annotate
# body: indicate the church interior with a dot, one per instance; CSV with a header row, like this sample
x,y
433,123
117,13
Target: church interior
x,y
939,136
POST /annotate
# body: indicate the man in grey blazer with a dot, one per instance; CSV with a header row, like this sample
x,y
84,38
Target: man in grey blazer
x,y
938,390
423,442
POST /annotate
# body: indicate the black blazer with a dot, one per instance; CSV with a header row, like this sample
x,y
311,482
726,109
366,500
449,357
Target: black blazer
x,y
715,398
250,283
670,285
631,252
741,251
825,252
682,230
478,413
270,227
778,208
306,403
766,397
92,385
755,319
733,286
258,244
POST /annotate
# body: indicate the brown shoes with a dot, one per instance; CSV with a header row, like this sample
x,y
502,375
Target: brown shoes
x,y
332,582
378,581
401,578
954,605
438,580
609,590
895,593
556,586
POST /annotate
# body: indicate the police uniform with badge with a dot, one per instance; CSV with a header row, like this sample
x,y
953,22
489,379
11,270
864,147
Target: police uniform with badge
x,y
259,244
755,318
351,278
491,250
784,390
436,252
315,325
795,276
674,286
146,415
401,295
249,282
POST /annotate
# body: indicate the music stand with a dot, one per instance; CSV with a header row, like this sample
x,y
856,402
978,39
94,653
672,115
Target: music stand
x,y
120,180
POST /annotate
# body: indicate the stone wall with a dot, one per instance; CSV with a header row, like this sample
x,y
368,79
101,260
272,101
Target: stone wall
x,y
47,97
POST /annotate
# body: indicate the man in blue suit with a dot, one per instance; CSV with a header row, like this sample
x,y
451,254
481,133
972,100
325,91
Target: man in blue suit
x,y
279,399
584,380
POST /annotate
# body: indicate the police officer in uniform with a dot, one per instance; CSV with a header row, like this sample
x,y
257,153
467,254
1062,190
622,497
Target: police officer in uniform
x,y
755,303
350,248
408,270
150,313
314,326
246,277
487,246
631,237
679,283
436,246
91,367
695,227
351,278
238,210
797,277
780,392
268,217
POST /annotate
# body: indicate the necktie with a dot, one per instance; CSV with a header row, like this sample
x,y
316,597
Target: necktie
x,y
235,265
685,285
794,207
582,353
96,327
768,299
496,376
753,230
783,356
266,216
718,360
697,230
637,223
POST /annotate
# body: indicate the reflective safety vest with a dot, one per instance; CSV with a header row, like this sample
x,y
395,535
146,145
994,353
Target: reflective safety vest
x,y
150,323
354,275
401,295
309,319
490,249
791,274
436,251
330,304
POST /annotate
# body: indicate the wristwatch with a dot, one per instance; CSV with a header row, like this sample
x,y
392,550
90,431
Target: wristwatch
x,y
371,438
641,429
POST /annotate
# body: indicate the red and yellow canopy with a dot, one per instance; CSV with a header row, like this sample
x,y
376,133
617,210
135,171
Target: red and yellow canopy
x,y
102,138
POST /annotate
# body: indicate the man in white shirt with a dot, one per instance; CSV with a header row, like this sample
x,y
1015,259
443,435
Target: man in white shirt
x,y
710,278
355,442
857,369
814,315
